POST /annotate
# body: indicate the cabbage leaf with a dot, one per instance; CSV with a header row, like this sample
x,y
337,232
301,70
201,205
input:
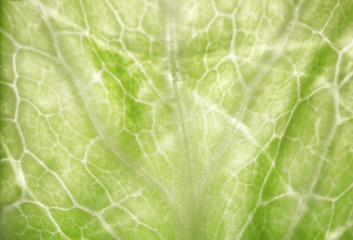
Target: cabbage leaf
x,y
176,119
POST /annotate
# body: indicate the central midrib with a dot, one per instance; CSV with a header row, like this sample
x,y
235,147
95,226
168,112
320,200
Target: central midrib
x,y
189,227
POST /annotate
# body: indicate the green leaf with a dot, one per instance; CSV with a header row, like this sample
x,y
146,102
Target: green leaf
x,y
176,119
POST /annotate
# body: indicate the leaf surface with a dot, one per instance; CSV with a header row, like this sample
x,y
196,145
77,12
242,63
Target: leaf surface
x,y
176,119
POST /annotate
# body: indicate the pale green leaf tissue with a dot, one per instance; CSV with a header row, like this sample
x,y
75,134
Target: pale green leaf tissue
x,y
176,119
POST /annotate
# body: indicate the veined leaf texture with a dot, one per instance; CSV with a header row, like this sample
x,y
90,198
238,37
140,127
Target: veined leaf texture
x,y
176,119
